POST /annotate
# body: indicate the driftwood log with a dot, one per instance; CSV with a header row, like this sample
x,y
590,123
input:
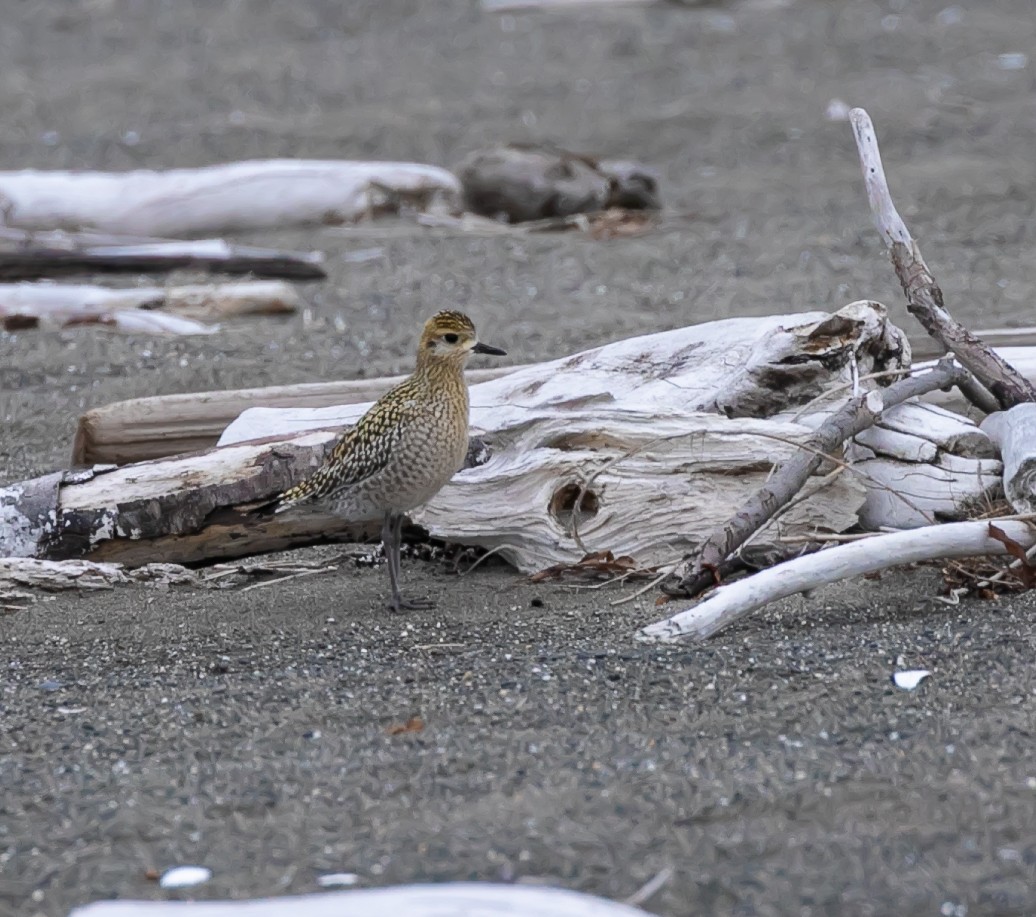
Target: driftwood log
x,y
855,416
448,899
520,182
28,255
1014,433
240,196
165,425
994,382
152,309
636,447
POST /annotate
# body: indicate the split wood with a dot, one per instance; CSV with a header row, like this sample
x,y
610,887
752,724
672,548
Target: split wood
x,y
863,411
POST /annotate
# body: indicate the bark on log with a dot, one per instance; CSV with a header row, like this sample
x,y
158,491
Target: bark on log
x,y
34,255
734,601
924,297
150,428
181,510
239,196
455,899
1014,431
859,413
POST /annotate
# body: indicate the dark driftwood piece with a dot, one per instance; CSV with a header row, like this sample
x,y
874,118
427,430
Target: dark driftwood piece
x,y
192,508
698,573
522,183
27,255
924,297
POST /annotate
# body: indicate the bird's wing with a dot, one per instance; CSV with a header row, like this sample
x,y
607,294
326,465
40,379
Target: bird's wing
x,y
360,453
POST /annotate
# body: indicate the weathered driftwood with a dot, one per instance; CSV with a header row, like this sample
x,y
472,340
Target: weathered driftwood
x,y
522,182
28,255
240,196
922,464
166,425
925,348
738,367
163,425
125,321
22,578
1014,432
63,304
177,510
857,414
924,297
448,899
736,600
149,310
623,427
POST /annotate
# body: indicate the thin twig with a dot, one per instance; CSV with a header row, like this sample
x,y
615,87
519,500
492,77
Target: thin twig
x,y
650,888
284,579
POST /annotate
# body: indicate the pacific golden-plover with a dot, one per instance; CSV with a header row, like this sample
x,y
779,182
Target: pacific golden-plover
x,y
406,447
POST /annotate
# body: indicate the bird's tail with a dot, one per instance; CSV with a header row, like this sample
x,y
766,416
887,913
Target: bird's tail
x,y
293,496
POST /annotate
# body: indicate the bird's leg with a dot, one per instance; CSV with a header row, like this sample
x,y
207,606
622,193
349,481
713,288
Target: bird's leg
x,y
392,537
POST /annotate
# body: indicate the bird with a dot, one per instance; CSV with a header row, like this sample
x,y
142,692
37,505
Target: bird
x,y
406,447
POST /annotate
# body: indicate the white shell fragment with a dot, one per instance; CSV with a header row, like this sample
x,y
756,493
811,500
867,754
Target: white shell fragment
x,y
910,678
333,879
185,876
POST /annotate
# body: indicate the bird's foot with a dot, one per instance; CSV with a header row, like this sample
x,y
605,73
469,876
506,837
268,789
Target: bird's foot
x,y
398,603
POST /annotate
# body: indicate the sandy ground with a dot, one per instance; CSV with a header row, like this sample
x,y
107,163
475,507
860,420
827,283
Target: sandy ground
x,y
776,770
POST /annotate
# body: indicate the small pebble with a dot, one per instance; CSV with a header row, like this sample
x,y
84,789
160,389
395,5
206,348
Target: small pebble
x,y
184,876
333,879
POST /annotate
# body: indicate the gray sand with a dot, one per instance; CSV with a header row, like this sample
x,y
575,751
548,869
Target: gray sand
x,y
775,769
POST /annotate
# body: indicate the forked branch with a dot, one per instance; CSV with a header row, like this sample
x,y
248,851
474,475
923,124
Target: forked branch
x,y
924,297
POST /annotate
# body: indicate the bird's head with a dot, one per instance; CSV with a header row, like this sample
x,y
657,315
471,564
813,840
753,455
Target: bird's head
x,y
449,337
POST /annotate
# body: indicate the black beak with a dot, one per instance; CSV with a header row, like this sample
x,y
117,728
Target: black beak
x,y
492,351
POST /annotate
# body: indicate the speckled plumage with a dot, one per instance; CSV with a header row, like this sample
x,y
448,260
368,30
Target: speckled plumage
x,y
408,445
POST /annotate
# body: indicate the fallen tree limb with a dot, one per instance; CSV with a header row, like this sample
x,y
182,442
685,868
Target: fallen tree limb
x,y
33,255
924,297
239,196
854,416
1014,431
736,600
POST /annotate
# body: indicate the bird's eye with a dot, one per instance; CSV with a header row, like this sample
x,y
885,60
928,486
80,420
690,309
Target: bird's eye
x,y
450,338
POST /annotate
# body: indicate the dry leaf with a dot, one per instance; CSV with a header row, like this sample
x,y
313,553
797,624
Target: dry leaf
x,y
595,565
414,724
